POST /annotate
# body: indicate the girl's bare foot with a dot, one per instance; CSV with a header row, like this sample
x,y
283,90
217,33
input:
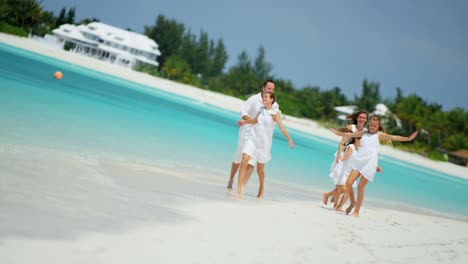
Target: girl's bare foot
x,y
355,214
229,186
339,210
325,199
350,208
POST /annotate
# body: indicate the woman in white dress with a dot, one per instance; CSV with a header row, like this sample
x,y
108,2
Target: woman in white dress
x,y
365,162
259,141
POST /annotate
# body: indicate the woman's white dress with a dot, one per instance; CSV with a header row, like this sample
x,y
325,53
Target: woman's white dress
x,y
341,170
260,137
367,156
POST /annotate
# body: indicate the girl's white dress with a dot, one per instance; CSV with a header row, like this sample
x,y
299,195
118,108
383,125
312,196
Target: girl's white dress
x,y
334,164
367,156
260,137
340,173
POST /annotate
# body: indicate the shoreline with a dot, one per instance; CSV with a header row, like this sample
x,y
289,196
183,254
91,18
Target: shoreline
x,y
216,99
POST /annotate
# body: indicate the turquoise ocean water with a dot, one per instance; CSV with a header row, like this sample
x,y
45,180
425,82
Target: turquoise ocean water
x,y
91,112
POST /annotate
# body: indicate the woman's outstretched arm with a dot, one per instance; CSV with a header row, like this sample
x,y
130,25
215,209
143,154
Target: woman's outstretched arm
x,y
386,136
277,118
347,134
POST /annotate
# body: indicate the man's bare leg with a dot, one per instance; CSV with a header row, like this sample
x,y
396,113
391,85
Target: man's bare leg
x,y
234,168
261,179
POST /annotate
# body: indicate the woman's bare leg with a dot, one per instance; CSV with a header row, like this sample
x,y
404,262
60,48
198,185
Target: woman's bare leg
x,y
349,187
360,197
261,178
248,173
242,171
234,168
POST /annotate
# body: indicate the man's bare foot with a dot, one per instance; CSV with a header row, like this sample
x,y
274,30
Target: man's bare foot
x,y
229,186
339,210
260,196
325,199
350,208
355,214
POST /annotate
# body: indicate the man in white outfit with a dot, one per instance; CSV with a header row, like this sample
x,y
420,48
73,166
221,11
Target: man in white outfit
x,y
249,110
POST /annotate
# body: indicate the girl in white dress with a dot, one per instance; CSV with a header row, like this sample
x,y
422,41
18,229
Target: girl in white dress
x,y
365,162
339,174
259,141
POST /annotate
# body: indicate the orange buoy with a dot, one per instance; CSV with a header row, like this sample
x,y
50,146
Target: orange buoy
x,y
58,75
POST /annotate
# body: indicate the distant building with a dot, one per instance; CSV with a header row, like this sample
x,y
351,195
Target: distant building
x,y
383,111
459,157
343,111
380,109
108,43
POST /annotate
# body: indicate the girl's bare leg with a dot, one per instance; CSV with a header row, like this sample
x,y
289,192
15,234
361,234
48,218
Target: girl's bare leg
x,y
234,168
344,198
327,195
349,186
261,178
333,200
242,171
360,197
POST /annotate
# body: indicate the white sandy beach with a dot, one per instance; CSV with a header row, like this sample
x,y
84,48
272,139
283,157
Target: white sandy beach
x,y
60,207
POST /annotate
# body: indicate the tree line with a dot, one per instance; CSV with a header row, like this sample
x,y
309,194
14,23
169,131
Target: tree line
x,y
198,60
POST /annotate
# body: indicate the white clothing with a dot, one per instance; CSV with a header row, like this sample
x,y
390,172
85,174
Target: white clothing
x,y
367,156
260,137
341,171
253,104
243,132
250,108
333,165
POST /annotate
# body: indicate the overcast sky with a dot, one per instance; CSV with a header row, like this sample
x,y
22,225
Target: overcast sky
x,y
420,46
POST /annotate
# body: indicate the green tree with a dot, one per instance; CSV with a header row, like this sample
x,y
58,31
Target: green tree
x,y
70,16
370,96
241,78
287,97
4,10
178,69
219,57
61,19
23,13
201,57
329,100
262,68
168,35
